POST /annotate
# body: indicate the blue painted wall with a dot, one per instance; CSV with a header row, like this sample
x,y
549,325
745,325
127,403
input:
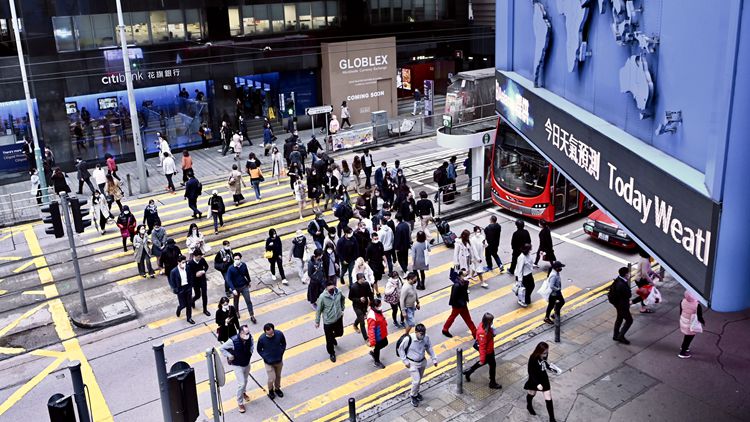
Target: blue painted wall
x,y
701,67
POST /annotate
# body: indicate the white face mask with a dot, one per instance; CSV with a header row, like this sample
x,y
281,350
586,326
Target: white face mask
x,y
329,250
225,307
420,336
226,248
237,262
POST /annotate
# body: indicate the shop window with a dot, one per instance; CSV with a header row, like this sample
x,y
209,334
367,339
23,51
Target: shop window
x,y
374,11
193,20
175,25
63,29
443,9
128,28
408,11
84,32
277,17
4,30
290,17
418,10
397,11
332,8
139,22
248,20
305,16
104,30
318,15
385,11
260,13
430,10
159,26
234,22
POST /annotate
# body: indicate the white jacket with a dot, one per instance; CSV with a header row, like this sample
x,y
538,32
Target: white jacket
x,y
477,245
168,165
99,176
386,237
463,255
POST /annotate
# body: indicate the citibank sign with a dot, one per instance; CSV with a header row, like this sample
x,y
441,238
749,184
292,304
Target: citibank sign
x,y
360,62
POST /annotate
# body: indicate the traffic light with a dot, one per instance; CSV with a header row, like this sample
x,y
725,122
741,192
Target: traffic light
x,y
54,218
79,212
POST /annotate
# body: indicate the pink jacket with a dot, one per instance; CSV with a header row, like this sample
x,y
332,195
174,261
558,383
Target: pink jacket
x,y
689,308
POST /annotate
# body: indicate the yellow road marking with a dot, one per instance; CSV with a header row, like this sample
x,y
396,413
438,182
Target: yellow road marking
x,y
11,350
33,292
24,266
24,389
48,353
501,338
18,320
10,258
2,292
65,332
7,236
169,320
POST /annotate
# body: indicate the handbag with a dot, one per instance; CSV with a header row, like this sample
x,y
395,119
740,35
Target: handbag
x,y
427,257
268,254
545,290
695,325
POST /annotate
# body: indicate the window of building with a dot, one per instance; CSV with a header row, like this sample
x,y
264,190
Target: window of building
x,y
397,11
159,26
262,24
175,25
193,24
332,8
277,17
430,10
374,11
235,28
418,10
290,17
318,14
84,32
248,20
139,22
104,31
63,29
304,15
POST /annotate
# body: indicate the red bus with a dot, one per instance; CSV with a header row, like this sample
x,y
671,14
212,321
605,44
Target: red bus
x,y
525,183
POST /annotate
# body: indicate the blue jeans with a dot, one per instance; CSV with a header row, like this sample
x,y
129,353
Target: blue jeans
x,y
256,188
218,219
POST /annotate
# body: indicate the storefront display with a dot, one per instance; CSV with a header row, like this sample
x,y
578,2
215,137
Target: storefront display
x,y
352,138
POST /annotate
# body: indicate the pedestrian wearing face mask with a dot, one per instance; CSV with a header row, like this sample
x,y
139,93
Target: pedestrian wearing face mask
x,y
227,320
330,184
377,329
478,243
331,263
142,247
169,256
330,307
216,209
180,284
316,274
412,349
375,256
158,243
539,380
360,293
196,270
273,254
524,273
127,225
238,350
238,279
459,303
150,215
195,241
297,254
222,261
271,347
486,344
317,229
409,300
347,250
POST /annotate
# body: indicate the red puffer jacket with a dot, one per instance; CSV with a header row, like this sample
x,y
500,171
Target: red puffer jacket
x,y
486,342
377,326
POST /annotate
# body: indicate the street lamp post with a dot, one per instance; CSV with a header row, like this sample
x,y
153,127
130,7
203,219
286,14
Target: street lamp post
x,y
135,126
29,103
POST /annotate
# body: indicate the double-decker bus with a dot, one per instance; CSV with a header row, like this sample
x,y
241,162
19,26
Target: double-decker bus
x,y
525,183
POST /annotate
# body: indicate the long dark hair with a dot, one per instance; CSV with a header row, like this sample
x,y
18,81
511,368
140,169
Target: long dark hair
x,y
190,229
540,349
487,322
465,237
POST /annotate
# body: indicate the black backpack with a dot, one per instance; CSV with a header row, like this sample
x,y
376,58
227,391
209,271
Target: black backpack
x,y
401,340
611,292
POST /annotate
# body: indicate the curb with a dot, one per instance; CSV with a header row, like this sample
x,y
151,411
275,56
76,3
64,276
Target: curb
x,y
96,318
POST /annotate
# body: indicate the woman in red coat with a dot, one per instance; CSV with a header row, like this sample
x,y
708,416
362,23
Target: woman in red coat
x,y
377,330
126,223
486,344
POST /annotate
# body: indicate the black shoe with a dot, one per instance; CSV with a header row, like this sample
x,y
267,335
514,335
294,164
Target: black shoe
x,y
419,397
414,401
623,340
495,386
179,310
379,365
548,321
206,313
332,357
467,375
447,334
614,338
279,392
335,343
255,321
271,395
190,321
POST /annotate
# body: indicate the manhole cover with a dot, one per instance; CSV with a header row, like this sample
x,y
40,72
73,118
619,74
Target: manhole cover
x,y
618,387
116,309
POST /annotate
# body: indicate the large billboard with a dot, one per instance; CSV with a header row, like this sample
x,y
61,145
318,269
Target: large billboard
x,y
362,74
674,221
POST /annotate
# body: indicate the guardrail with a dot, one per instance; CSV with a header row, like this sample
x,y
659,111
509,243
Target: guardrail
x,y
22,206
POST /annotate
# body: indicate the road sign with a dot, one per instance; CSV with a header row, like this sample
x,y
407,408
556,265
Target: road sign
x,y
310,111
447,120
486,138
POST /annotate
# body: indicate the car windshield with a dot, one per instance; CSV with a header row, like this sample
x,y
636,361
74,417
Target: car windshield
x,y
519,170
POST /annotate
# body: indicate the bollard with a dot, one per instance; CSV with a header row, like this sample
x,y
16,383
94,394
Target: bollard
x,y
352,410
79,391
130,189
161,375
459,371
558,317
212,383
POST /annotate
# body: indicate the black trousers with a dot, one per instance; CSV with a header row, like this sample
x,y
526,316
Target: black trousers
x,y
395,312
490,253
379,345
623,314
170,183
556,302
276,262
489,360
368,175
403,259
515,256
361,321
686,343
201,291
528,284
183,298
331,332
88,182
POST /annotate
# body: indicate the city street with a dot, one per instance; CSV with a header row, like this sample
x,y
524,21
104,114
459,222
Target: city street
x,y
121,358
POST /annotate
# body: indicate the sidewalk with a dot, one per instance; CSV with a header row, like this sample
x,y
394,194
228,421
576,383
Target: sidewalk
x,y
604,380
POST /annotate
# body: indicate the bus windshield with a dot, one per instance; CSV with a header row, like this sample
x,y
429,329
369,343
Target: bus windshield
x,y
517,168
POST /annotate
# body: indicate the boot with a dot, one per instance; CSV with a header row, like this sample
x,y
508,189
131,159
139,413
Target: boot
x,y
529,406
550,410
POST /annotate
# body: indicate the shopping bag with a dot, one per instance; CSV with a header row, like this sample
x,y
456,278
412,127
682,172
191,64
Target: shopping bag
x,y
545,290
427,257
521,293
653,297
695,325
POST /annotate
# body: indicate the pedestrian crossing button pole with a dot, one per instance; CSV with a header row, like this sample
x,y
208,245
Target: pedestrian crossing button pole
x,y
459,371
558,317
161,374
79,391
215,379
352,410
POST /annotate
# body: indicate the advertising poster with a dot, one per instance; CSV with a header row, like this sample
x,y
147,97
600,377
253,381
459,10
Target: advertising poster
x,y
12,158
406,78
352,138
429,96
676,222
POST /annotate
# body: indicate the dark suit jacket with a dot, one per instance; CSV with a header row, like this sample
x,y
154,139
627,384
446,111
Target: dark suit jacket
x,y
176,283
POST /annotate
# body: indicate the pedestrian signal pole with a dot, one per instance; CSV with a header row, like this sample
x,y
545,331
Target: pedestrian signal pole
x,y
74,255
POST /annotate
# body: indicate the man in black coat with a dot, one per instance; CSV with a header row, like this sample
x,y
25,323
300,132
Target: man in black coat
x,y
520,237
222,261
330,185
193,189
619,297
83,176
402,242
347,250
360,293
492,236
367,165
546,247
362,236
180,284
196,271
459,302
317,229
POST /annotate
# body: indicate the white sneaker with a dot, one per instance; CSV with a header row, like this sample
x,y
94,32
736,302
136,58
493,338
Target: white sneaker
x,y
485,285
284,282
522,303
273,277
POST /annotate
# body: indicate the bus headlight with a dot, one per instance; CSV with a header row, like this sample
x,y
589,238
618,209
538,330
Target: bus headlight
x,y
621,233
543,205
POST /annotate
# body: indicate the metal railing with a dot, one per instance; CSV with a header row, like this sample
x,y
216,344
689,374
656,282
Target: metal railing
x,y
464,193
22,206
